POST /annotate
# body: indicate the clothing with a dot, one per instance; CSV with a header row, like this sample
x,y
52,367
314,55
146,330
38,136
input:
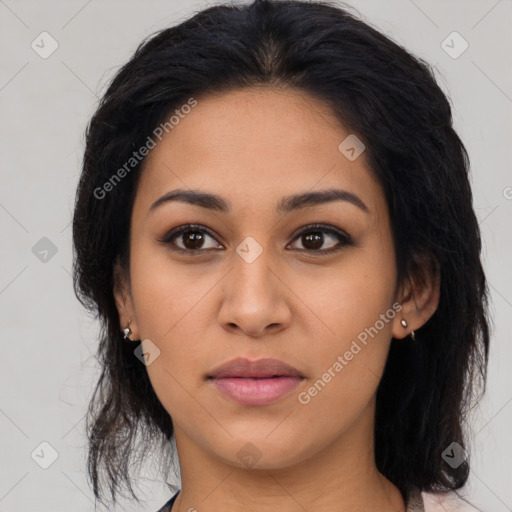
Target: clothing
x,y
168,505
414,502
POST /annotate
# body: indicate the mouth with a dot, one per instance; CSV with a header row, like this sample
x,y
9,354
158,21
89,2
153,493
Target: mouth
x,y
255,383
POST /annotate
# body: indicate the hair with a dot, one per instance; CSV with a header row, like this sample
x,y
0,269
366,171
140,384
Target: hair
x,y
391,100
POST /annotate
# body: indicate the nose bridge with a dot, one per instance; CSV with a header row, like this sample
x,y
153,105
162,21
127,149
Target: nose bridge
x,y
253,299
252,275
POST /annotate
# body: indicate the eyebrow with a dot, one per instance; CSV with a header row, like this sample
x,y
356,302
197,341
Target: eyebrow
x,y
286,204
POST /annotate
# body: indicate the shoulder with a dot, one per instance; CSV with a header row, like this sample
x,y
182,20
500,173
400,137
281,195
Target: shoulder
x,y
447,502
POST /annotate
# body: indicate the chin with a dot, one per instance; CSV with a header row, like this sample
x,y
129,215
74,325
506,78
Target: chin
x,y
266,452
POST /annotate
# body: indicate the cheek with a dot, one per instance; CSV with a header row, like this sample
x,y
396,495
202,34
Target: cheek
x,y
353,304
169,305
349,364
166,294
349,297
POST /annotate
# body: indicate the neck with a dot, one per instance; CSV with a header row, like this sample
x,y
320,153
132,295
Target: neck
x,y
342,477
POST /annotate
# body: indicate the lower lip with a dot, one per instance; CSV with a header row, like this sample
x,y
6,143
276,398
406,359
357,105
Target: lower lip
x,y
247,391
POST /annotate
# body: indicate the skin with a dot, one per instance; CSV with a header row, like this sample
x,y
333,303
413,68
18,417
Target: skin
x,y
252,147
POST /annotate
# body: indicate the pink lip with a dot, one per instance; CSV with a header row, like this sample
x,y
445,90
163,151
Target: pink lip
x,y
256,391
255,382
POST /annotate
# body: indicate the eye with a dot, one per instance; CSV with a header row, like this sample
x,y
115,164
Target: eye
x,y
313,238
192,238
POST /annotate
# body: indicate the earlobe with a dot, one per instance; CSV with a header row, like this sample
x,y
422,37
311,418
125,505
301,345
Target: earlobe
x,y
420,297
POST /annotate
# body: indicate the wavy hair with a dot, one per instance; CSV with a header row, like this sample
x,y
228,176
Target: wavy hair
x,y
391,100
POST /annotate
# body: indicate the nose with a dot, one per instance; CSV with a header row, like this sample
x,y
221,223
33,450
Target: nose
x,y
255,300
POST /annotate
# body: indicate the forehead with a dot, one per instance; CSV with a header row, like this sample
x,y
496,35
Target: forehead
x,y
253,146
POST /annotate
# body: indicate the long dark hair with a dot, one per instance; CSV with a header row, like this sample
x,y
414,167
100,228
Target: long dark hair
x,y
391,100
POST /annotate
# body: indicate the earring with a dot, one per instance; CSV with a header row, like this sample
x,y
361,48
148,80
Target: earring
x,y
404,324
127,331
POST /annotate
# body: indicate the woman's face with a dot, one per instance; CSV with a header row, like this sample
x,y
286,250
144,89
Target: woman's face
x,y
252,281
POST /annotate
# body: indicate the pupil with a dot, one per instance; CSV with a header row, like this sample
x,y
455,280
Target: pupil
x,y
314,240
193,240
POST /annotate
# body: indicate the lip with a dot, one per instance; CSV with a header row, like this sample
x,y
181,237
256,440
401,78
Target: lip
x,y
258,382
242,367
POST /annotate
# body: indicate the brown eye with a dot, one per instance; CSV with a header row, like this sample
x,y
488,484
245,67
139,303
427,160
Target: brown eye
x,y
193,239
190,239
313,240
314,237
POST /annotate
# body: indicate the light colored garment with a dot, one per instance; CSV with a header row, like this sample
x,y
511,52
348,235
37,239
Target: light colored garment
x,y
415,502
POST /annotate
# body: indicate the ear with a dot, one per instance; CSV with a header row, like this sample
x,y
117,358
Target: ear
x,y
419,296
123,299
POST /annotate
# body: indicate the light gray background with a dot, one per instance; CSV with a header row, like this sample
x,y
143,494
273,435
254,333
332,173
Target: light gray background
x,y
47,371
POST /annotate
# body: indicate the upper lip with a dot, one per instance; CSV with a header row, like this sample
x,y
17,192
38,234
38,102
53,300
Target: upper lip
x,y
241,367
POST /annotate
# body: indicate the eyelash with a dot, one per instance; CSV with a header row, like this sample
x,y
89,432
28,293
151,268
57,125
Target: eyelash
x,y
343,238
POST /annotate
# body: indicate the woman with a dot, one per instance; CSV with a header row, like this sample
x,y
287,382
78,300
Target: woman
x,y
274,224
